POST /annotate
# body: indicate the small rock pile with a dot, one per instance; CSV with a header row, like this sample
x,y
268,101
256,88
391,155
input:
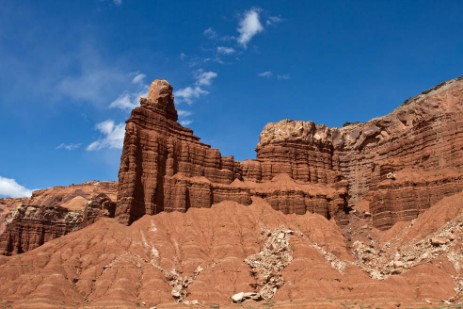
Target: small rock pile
x,y
380,262
267,265
334,261
180,284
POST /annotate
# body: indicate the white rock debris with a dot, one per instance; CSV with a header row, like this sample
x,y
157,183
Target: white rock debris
x,y
267,265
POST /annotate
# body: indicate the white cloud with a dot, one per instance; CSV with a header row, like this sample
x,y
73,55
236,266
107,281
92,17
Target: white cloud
x,y
249,26
213,59
274,20
225,50
205,78
124,101
90,86
10,188
183,56
117,2
186,122
92,83
283,77
210,33
68,147
266,74
138,79
128,100
189,93
202,79
183,113
113,136
92,80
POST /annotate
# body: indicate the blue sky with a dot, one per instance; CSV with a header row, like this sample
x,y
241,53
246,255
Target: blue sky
x,y
72,70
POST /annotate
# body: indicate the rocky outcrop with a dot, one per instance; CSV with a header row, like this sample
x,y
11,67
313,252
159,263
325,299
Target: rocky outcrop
x,y
397,165
255,230
211,256
268,264
164,167
406,161
54,212
6,205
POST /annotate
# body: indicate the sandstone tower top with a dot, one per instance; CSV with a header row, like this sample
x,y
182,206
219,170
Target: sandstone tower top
x,y
161,96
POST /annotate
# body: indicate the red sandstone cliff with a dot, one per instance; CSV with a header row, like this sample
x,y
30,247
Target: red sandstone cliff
x,y
27,223
207,255
164,167
258,229
394,166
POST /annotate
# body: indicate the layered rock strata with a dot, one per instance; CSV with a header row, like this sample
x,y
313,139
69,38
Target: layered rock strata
x,y
406,161
208,255
54,212
397,165
164,167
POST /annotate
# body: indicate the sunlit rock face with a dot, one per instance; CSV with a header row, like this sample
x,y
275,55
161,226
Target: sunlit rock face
x,y
320,219
396,166
164,167
27,223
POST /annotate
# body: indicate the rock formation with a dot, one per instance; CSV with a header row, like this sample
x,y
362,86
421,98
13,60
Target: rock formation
x,y
207,255
396,166
164,167
27,223
406,161
368,215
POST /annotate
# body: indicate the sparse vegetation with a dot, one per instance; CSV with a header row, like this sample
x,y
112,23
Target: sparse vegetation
x,y
348,123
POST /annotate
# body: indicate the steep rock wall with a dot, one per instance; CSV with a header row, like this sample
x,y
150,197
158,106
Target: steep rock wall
x,y
399,164
164,167
30,222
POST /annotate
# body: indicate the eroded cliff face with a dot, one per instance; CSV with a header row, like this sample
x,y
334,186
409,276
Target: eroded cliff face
x,y
211,256
27,223
164,167
394,166
266,241
397,165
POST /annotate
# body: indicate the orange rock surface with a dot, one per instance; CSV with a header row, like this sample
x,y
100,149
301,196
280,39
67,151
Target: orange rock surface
x,y
396,166
203,255
368,215
164,167
27,223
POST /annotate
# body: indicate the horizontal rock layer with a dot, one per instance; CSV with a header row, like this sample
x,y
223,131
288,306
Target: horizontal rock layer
x,y
422,138
54,212
207,255
164,167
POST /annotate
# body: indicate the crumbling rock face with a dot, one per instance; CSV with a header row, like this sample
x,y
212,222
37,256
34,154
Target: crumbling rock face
x,y
207,255
6,205
418,143
397,165
434,237
400,164
267,265
272,229
54,212
164,167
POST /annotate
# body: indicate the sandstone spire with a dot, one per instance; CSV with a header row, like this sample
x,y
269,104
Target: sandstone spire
x,y
160,95
396,165
164,167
